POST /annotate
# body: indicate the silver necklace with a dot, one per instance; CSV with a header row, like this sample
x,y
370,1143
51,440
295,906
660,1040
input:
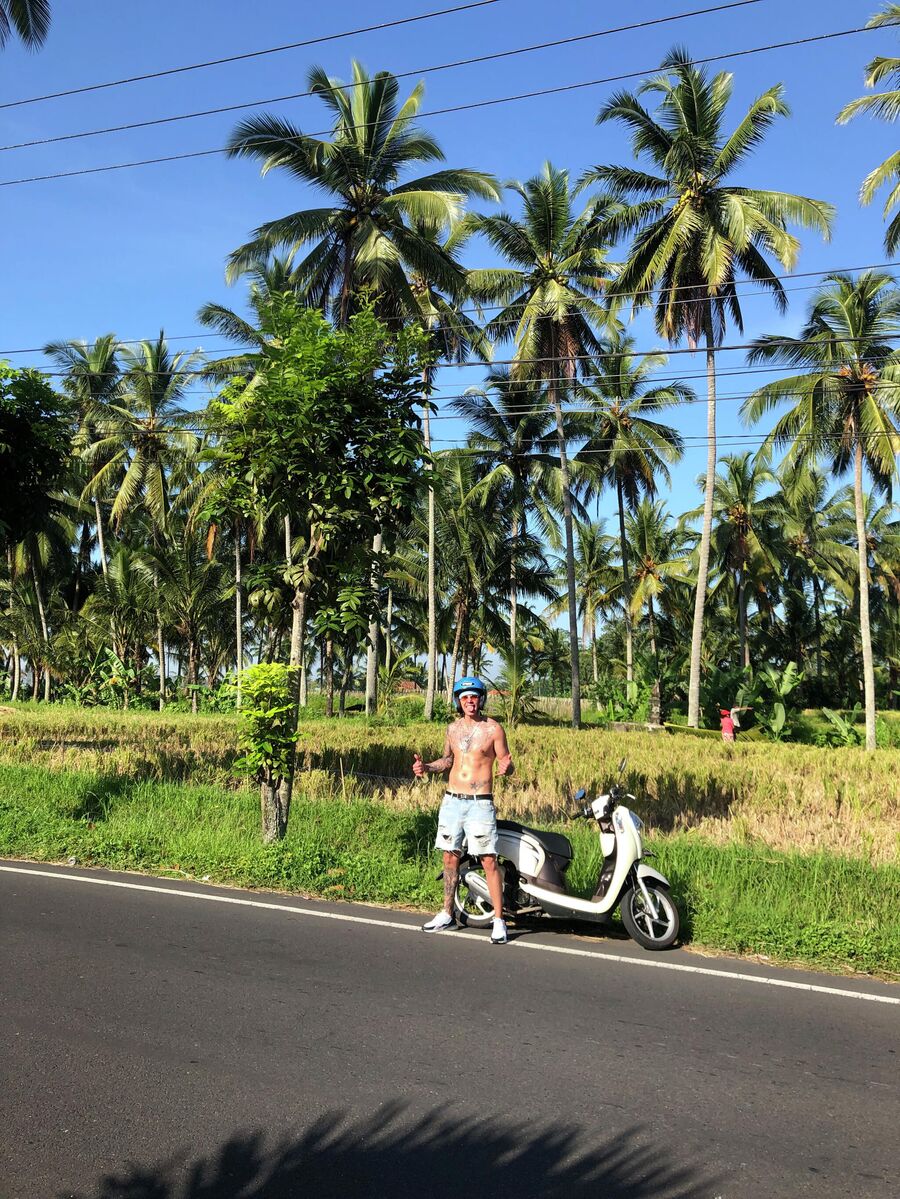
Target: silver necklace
x,y
466,741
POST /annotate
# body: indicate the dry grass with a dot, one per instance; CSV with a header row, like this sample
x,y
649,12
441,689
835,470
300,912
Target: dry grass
x,y
788,797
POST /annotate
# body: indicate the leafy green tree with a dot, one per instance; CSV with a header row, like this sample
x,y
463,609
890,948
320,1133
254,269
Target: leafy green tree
x,y
268,738
550,306
28,19
35,442
367,238
326,433
887,106
845,405
628,448
693,231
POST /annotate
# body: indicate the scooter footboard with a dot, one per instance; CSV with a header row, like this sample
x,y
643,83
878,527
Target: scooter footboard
x,y
651,876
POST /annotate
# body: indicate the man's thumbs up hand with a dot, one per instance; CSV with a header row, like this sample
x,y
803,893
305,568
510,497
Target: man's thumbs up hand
x,y
418,766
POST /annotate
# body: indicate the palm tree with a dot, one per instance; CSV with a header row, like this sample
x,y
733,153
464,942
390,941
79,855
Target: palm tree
x,y
629,449
661,553
93,380
598,578
452,335
366,238
29,19
382,231
141,440
846,404
268,276
693,232
887,106
744,530
550,306
195,592
512,431
810,535
143,436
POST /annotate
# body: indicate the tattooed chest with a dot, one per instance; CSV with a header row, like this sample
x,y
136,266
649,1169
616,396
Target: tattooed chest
x,y
473,740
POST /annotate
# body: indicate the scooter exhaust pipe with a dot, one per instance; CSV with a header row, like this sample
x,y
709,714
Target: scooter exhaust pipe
x,y
476,883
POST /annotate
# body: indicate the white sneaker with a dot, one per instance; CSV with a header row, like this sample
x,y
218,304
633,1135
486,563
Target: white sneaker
x,y
439,923
498,932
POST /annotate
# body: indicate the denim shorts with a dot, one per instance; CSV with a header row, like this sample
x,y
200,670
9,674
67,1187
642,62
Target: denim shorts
x,y
470,820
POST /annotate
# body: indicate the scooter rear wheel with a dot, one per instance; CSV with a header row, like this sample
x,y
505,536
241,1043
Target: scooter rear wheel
x,y
650,932
469,907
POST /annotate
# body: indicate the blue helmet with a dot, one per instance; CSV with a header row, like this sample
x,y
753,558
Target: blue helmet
x,y
473,686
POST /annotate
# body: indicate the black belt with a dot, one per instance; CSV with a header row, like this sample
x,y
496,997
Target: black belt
x,y
458,795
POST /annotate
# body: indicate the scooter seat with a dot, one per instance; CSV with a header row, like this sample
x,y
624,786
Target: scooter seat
x,y
555,843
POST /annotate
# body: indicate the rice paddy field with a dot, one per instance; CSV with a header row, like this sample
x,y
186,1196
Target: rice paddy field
x,y
787,851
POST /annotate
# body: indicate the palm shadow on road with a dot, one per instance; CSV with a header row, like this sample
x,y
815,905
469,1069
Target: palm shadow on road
x,y
392,1153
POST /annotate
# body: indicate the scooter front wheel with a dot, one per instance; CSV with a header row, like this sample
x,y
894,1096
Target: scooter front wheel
x,y
651,930
471,903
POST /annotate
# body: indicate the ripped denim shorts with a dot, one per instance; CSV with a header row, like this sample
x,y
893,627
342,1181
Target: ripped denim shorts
x,y
470,820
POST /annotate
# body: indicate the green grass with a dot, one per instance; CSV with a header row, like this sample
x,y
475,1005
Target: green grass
x,y
819,909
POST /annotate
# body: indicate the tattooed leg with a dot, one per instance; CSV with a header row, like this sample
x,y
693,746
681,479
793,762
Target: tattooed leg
x,y
451,878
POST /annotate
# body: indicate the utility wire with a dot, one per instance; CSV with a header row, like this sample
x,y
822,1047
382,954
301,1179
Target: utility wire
x,y
576,358
447,66
215,62
237,350
478,104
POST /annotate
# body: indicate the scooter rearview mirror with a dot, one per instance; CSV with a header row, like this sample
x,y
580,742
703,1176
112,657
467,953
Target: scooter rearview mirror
x,y
579,795
622,765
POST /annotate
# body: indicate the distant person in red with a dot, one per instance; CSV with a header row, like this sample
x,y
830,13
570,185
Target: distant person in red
x,y
730,720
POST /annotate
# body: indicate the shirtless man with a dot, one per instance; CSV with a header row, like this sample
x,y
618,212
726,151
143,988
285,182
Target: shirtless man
x,y
474,743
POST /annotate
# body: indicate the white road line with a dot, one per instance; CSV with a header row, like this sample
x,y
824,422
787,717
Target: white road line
x,y
518,943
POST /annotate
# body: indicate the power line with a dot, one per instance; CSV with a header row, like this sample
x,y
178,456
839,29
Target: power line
x,y
548,91
447,66
215,62
562,379
236,350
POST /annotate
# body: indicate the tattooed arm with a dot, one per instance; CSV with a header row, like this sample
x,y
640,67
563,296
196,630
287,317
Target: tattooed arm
x,y
439,765
501,749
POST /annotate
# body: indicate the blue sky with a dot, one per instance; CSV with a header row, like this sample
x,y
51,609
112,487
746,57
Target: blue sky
x,y
134,251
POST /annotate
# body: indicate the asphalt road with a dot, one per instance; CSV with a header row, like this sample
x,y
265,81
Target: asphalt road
x,y
160,1046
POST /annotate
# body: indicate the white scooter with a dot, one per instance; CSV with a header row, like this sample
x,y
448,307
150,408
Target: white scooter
x,y
533,866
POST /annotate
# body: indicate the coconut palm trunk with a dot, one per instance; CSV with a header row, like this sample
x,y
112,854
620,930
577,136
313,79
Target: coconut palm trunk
x,y
17,671
513,580
454,657
570,547
626,579
431,670
238,618
101,537
388,643
328,665
817,615
865,631
372,646
744,648
706,532
45,634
